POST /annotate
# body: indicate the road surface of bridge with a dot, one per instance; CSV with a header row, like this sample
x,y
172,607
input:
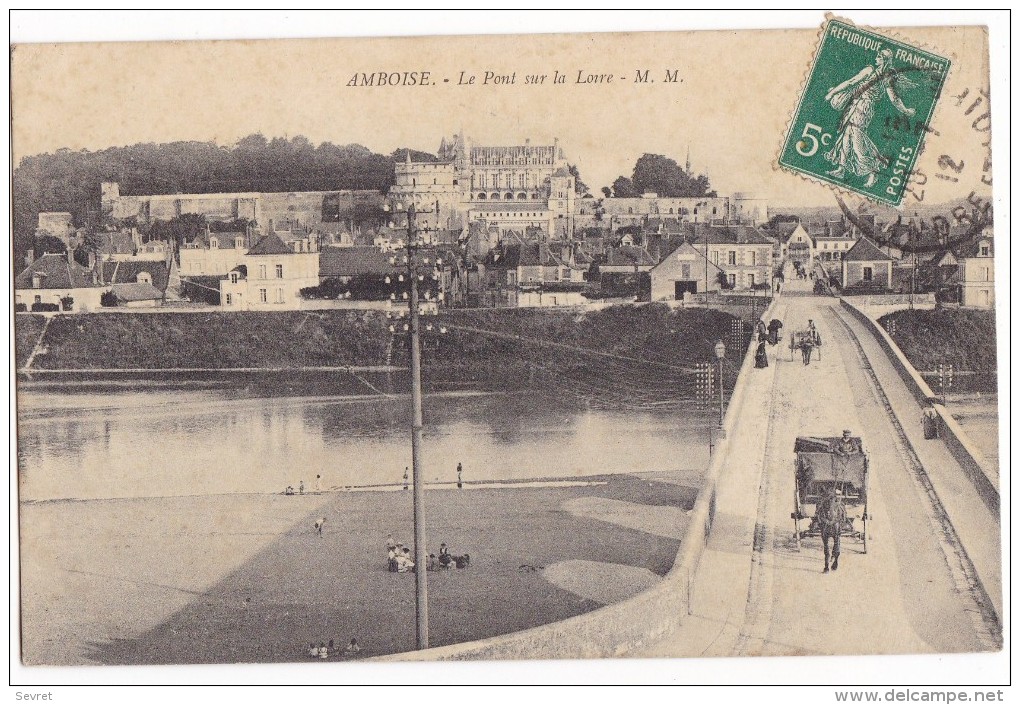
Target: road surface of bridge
x,y
917,590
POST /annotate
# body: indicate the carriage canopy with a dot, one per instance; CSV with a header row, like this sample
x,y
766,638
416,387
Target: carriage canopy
x,y
820,464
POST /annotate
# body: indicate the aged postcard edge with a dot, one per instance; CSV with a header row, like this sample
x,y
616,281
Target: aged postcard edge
x,y
788,127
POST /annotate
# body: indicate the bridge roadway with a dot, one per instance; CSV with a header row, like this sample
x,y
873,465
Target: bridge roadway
x,y
915,591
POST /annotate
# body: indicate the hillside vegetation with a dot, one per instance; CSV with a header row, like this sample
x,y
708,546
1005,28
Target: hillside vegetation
x,y
649,351
964,338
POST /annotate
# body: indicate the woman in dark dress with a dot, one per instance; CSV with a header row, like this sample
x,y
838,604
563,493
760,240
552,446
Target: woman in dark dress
x,y
775,326
760,357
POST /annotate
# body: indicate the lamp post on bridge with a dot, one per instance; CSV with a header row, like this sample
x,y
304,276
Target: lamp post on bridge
x,y
720,353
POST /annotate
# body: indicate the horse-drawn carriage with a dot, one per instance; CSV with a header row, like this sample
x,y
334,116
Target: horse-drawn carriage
x,y
806,339
831,471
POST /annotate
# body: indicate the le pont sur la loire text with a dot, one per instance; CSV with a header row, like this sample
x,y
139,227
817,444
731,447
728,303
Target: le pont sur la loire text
x,y
389,79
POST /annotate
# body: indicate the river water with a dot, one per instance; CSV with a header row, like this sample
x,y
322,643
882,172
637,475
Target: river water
x,y
152,438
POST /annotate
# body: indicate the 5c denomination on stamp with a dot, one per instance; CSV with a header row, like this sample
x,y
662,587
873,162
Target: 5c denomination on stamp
x,y
861,84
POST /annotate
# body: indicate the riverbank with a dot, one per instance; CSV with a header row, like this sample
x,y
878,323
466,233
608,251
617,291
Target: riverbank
x,y
245,578
502,349
963,338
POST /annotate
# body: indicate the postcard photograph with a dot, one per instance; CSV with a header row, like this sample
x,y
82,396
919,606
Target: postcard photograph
x,y
654,344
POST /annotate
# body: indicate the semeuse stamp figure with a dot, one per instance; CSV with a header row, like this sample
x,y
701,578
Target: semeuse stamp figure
x,y
866,106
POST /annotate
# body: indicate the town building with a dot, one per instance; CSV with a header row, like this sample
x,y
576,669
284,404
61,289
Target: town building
x,y
683,271
270,277
141,282
977,272
799,246
57,283
867,268
214,254
742,252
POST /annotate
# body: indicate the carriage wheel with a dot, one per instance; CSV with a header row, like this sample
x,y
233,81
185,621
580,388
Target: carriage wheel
x,y
864,532
796,516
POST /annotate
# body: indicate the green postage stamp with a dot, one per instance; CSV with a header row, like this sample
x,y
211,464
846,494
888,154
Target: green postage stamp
x,y
864,112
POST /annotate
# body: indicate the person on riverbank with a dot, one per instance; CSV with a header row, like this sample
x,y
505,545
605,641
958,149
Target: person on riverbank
x,y
760,331
761,358
460,469
318,525
317,485
352,647
301,487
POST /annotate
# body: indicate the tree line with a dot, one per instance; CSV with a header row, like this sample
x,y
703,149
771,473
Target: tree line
x,y
656,173
69,181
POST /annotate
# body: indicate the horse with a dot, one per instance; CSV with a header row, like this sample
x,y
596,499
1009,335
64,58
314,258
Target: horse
x,y
831,517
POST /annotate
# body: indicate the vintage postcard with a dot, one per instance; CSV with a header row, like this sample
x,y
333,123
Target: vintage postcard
x,y
488,347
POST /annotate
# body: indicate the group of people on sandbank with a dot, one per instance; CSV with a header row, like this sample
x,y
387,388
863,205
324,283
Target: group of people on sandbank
x,y
301,489
324,650
400,560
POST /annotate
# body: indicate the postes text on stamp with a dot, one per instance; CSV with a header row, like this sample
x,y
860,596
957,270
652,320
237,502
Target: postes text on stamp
x,y
864,112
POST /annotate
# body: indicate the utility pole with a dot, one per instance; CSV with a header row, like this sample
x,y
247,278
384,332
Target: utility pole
x,y
421,594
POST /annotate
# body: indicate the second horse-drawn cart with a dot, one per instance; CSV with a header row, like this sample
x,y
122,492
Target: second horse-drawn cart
x,y
827,467
805,339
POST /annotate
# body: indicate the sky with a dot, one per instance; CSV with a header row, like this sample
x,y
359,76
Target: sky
x,y
730,105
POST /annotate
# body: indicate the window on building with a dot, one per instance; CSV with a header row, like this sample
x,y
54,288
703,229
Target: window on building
x,y
214,243
685,272
262,271
731,279
984,250
750,281
279,296
731,257
230,300
868,274
38,299
751,254
263,295
233,277
279,271
987,274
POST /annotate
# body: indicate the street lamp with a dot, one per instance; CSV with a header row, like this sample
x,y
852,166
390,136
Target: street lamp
x,y
720,353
